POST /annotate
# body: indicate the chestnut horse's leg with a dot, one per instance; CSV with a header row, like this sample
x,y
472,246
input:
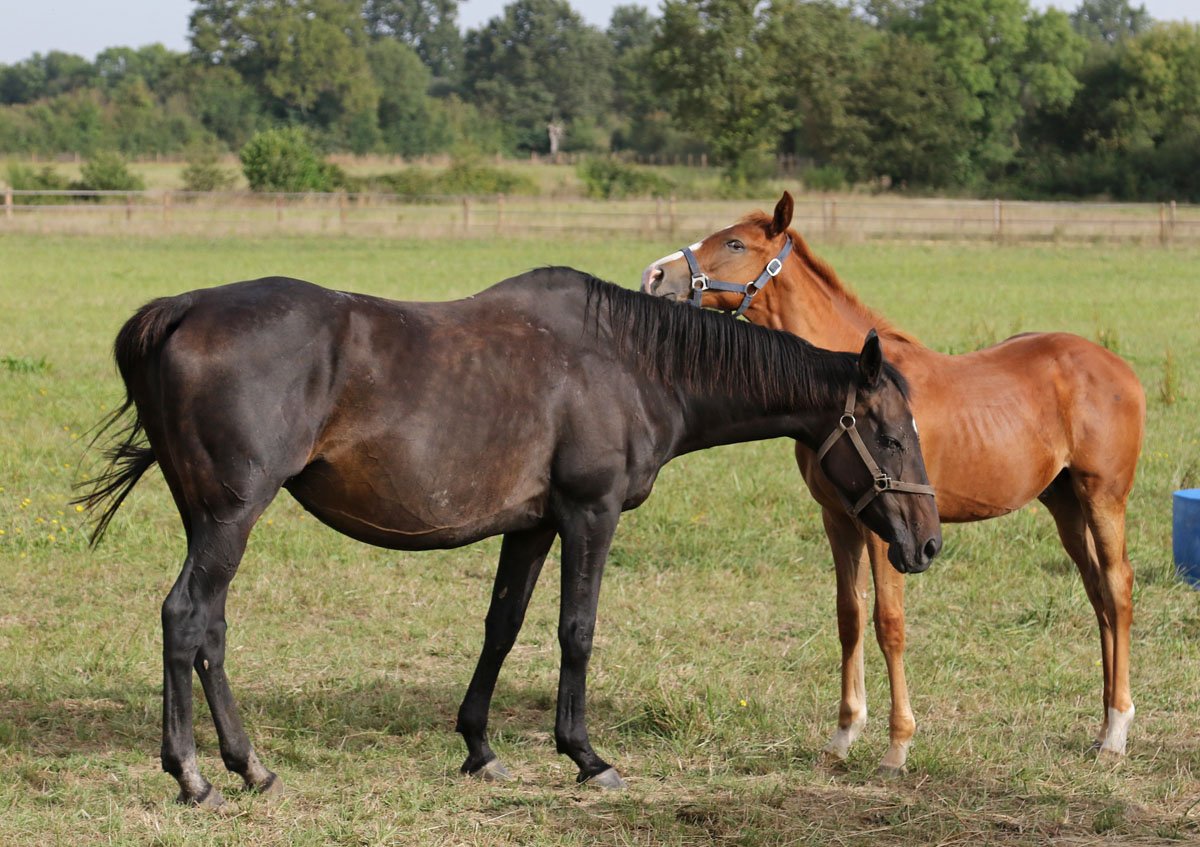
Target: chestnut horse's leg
x,y
1064,505
849,558
1106,520
889,632
521,557
192,618
586,531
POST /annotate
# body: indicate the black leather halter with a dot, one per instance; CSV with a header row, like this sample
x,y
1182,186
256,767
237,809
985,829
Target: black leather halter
x,y
881,481
701,282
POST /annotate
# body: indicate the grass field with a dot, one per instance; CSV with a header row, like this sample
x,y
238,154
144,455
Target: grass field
x,y
714,682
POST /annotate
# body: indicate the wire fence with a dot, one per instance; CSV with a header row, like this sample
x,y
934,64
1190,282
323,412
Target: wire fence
x,y
392,215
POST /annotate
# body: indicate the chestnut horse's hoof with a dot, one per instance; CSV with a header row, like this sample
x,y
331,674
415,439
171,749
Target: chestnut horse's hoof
x,y
609,780
891,772
211,800
492,770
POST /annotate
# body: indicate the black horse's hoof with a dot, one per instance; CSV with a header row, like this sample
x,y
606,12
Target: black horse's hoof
x,y
210,801
492,770
271,788
608,779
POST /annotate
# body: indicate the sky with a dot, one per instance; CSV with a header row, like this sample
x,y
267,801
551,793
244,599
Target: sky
x,y
87,26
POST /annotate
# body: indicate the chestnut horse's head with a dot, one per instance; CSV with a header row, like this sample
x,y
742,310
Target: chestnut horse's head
x,y
872,456
728,268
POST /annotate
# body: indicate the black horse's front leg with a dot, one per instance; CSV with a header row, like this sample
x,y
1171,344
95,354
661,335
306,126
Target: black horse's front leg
x,y
521,558
586,536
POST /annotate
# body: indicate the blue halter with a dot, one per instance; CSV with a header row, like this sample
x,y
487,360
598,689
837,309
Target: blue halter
x,y
701,282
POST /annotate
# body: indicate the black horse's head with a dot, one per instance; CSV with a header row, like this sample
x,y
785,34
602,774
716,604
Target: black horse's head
x,y
872,456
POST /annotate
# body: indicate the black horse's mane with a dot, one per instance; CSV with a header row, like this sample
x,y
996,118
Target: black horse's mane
x,y
705,350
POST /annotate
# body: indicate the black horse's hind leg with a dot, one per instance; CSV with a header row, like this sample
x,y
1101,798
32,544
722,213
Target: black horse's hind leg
x,y
192,617
586,536
236,750
521,557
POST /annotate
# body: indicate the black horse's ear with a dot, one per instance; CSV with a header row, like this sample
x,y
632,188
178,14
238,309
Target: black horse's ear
x,y
783,215
870,360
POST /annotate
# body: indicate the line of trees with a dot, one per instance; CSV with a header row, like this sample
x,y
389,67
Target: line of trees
x,y
967,95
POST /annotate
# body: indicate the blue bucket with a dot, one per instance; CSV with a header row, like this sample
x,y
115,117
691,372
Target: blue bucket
x,y
1185,535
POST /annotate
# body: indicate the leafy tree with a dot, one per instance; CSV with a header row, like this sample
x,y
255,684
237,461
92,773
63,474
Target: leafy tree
x,y
204,171
538,62
836,46
407,119
39,77
285,160
107,171
430,27
907,117
1110,21
712,65
306,59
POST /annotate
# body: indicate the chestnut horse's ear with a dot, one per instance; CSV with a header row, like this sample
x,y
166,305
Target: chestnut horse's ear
x,y
870,360
783,215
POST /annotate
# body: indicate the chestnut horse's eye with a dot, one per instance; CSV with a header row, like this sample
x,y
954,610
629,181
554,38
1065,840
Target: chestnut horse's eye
x,y
735,245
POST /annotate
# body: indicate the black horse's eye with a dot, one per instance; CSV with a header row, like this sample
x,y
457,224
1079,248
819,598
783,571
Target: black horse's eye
x,y
892,444
735,245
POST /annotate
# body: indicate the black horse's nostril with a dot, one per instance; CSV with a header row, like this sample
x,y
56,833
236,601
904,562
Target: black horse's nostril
x,y
931,548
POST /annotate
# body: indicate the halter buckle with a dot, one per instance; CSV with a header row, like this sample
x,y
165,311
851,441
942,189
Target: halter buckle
x,y
883,482
699,282
774,267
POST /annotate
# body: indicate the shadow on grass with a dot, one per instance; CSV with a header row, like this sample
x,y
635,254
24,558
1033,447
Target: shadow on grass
x,y
86,719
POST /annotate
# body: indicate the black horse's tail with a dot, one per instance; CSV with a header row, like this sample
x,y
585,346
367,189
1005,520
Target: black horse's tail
x,y
130,455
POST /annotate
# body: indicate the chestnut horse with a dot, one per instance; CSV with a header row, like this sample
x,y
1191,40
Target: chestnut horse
x,y
542,407
1045,415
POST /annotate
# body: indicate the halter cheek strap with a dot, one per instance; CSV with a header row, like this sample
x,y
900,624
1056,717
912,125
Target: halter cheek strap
x,y
702,283
881,482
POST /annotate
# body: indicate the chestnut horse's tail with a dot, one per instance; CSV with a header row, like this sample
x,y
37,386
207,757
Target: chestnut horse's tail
x,y
130,455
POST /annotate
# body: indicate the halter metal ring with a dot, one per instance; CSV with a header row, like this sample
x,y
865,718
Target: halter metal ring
x,y
846,421
699,282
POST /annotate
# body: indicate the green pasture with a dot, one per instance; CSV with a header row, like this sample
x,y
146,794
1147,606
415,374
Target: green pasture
x,y
714,682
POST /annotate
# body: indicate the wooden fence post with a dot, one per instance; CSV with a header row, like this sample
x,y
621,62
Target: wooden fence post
x,y
998,219
499,213
1171,228
8,204
1162,224
278,208
466,214
166,207
128,207
671,212
658,218
833,217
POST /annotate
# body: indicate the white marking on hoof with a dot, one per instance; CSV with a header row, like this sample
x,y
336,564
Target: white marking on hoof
x,y
838,747
1118,732
895,761
492,771
609,780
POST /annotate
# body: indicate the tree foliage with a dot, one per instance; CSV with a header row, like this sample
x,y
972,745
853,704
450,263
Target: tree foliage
x,y
975,95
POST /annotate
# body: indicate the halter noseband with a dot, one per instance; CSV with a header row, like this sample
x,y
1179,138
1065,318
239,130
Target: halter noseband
x,y
701,282
881,481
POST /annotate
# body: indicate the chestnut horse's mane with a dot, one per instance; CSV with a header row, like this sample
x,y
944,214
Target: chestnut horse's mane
x,y
826,275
